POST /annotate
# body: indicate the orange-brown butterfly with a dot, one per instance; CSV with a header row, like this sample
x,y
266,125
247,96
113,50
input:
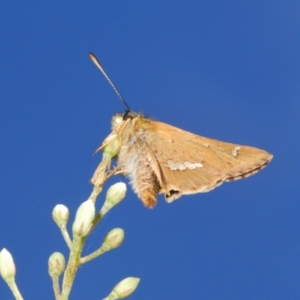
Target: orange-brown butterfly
x,y
162,159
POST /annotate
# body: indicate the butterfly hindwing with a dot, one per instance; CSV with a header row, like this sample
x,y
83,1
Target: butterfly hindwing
x,y
191,163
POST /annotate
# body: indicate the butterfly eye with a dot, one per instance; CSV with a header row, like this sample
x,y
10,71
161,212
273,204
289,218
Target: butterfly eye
x,y
129,115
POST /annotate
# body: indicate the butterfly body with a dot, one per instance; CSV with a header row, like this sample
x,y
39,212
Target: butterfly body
x,y
162,159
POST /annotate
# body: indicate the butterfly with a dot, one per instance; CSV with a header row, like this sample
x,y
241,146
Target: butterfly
x,y
162,159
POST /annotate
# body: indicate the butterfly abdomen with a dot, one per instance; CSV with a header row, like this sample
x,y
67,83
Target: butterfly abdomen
x,y
138,168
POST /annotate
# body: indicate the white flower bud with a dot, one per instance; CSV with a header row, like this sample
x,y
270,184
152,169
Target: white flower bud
x,y
114,238
60,215
7,266
124,288
56,264
115,194
84,218
113,146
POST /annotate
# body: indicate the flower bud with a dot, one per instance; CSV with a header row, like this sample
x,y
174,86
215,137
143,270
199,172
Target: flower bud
x,y
113,145
124,288
60,215
114,238
115,194
84,218
7,266
56,264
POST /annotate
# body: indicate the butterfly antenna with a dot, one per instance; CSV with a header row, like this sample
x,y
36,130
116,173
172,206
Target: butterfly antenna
x,y
98,65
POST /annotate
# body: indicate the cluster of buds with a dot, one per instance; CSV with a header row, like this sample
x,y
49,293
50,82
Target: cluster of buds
x,y
85,220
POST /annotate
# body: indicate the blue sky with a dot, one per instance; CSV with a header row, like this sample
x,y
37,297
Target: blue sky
x,y
228,70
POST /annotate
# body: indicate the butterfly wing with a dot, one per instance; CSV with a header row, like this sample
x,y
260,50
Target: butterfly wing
x,y
191,164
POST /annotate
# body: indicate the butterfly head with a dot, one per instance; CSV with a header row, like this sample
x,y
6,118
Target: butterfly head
x,y
119,118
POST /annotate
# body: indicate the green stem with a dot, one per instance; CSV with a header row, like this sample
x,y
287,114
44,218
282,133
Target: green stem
x,y
72,267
